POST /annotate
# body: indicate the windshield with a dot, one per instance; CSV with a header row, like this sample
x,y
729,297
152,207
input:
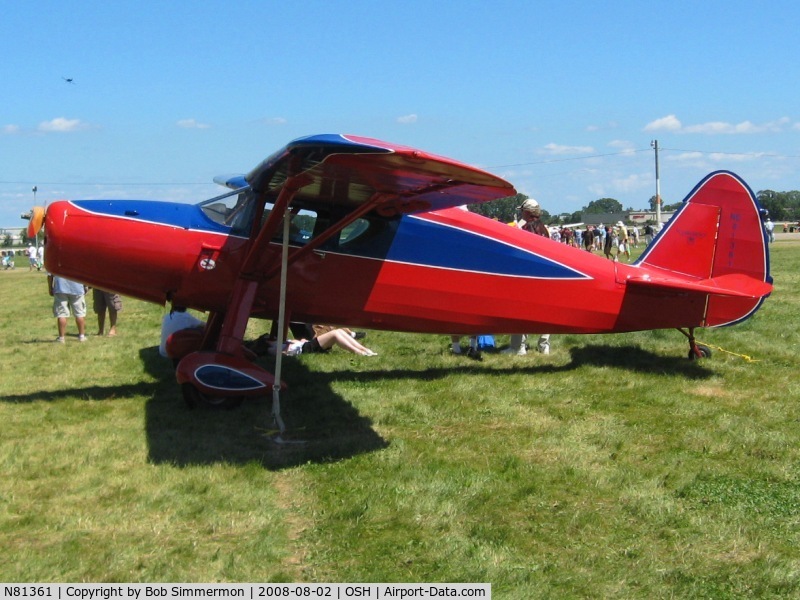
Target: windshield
x,y
234,209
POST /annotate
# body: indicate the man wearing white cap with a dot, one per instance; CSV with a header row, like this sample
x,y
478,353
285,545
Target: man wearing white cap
x,y
531,221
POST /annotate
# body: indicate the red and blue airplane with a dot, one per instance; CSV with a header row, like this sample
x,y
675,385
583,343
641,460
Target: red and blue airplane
x,y
359,232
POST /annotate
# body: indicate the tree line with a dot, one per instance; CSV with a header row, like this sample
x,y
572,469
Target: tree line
x,y
782,206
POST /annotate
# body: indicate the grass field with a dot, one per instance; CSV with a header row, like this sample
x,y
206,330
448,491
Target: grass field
x,y
614,467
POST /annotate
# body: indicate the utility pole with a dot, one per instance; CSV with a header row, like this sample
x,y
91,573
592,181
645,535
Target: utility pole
x,y
654,145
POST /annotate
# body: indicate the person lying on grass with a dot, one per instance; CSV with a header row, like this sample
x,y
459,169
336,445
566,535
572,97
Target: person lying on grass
x,y
320,343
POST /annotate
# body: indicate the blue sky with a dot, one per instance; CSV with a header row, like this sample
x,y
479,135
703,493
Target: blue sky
x,y
561,98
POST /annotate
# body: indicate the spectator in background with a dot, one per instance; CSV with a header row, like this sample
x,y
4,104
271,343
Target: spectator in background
x,y
103,301
32,263
472,349
531,222
323,343
623,244
588,238
770,227
608,241
68,296
648,234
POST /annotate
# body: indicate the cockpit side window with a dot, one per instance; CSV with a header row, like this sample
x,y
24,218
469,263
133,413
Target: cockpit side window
x,y
237,210
352,232
367,236
301,225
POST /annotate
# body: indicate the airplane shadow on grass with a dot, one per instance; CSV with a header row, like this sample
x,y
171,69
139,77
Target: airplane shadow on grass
x,y
627,358
322,425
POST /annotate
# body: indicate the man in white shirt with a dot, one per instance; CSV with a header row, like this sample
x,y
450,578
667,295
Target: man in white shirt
x,y
32,262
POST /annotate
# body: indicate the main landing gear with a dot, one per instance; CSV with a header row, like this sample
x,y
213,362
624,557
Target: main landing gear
x,y
212,379
696,351
195,398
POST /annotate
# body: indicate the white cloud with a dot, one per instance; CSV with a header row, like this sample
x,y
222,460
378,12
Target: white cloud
x,y
725,157
623,146
407,119
561,149
720,127
668,123
672,123
192,124
686,157
632,183
609,125
777,126
61,125
275,121
11,129
706,160
624,184
597,189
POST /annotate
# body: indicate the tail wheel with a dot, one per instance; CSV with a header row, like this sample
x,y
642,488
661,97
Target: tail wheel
x,y
702,352
696,350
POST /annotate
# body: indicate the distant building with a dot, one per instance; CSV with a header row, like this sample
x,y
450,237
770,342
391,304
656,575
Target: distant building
x,y
637,217
640,217
14,232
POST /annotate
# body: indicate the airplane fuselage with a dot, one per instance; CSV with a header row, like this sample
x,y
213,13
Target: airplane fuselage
x,y
446,271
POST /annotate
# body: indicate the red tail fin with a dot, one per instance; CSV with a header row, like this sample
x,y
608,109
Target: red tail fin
x,y
717,238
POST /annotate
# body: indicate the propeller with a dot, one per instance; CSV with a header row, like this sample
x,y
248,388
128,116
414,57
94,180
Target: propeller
x,y
36,218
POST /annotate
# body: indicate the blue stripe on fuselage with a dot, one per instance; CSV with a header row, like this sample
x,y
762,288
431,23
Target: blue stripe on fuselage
x,y
185,216
423,242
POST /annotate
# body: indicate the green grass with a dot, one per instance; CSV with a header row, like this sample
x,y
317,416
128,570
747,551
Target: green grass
x,y
614,467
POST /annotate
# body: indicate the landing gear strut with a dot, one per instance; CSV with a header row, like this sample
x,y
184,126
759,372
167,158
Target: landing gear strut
x,y
696,351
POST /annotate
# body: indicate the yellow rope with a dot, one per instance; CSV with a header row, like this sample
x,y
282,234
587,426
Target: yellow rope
x,y
744,356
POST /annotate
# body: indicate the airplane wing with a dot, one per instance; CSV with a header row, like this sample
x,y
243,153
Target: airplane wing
x,y
364,173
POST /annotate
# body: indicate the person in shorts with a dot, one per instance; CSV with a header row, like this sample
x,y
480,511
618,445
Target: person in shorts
x,y
31,252
68,296
103,301
321,343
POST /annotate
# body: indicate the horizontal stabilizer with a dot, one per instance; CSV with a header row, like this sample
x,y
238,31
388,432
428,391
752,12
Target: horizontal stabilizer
x,y
739,286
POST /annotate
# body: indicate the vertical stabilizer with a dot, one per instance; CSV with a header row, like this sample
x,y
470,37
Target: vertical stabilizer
x,y
717,237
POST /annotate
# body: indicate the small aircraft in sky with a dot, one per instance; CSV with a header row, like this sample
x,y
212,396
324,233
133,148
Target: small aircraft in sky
x,y
68,79
359,232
